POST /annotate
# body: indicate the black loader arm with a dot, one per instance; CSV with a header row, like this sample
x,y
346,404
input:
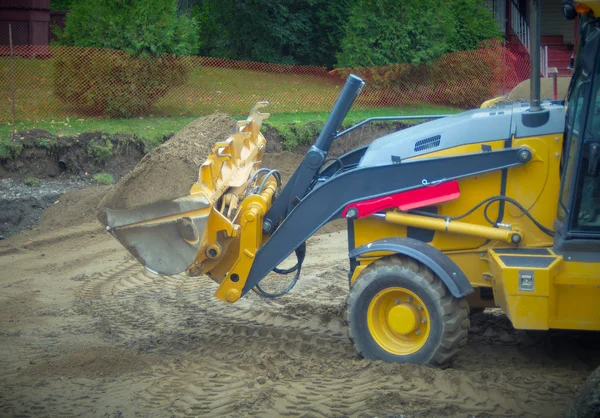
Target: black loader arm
x,y
326,202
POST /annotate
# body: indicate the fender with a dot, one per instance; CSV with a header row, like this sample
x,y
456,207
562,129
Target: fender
x,y
441,265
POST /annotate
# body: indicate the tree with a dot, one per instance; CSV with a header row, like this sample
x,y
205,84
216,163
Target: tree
x,y
474,23
60,4
139,27
382,32
287,31
129,60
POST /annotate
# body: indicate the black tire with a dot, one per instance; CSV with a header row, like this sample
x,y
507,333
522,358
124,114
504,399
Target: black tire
x,y
449,316
473,311
587,402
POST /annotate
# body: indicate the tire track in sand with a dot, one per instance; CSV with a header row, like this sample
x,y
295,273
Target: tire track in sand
x,y
288,356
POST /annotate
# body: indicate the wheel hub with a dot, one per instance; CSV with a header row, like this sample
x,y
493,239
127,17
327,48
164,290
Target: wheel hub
x,y
403,318
398,320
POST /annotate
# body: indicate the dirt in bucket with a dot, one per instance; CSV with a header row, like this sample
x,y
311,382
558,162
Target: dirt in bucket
x,y
169,171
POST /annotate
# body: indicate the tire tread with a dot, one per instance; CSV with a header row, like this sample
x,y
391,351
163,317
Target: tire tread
x,y
454,312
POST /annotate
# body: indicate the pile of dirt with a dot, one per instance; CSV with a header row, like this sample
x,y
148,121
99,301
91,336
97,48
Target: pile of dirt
x,y
285,162
169,171
73,208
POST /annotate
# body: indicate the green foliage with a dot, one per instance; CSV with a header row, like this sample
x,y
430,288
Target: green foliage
x,y
61,4
294,134
114,83
474,23
287,31
148,35
10,149
383,32
461,79
48,143
32,182
100,150
139,27
103,178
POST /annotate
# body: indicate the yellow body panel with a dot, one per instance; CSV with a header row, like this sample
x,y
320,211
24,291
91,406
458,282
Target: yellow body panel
x,y
576,294
535,185
566,293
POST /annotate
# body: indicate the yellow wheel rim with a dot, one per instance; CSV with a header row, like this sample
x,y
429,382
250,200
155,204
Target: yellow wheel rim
x,y
398,321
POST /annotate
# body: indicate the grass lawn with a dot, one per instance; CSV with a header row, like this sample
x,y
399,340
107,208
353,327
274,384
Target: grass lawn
x,y
156,128
355,116
207,89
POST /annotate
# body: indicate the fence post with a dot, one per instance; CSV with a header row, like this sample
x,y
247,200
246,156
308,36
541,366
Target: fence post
x,y
12,76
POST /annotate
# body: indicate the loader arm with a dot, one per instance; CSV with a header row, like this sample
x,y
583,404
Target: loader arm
x,y
327,201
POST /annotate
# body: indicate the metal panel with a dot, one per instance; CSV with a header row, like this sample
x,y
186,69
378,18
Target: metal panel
x,y
475,126
531,262
441,265
522,251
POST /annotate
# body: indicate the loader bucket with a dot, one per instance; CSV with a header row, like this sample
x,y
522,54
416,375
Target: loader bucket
x,y
168,237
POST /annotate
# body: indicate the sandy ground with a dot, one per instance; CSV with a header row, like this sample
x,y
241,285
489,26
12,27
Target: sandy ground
x,y
85,331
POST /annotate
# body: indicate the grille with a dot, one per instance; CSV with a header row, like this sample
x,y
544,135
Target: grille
x,y
428,143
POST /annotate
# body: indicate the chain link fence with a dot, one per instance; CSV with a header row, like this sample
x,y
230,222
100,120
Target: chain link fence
x,y
40,82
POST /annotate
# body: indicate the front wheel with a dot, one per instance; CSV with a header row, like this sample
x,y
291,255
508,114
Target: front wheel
x,y
398,311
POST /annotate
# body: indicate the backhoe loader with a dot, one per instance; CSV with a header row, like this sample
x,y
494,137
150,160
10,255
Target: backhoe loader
x,y
496,206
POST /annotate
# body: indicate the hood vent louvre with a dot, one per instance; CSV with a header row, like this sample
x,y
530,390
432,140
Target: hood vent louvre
x,y
428,143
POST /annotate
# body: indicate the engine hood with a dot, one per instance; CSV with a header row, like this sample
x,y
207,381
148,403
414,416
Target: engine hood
x,y
474,126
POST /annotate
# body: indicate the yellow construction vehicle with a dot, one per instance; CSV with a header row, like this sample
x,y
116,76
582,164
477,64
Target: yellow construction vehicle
x,y
498,206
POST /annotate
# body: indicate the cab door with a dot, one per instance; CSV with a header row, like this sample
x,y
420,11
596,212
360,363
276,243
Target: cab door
x,y
578,223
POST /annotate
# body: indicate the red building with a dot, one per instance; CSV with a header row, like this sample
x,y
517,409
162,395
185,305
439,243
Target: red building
x,y
29,21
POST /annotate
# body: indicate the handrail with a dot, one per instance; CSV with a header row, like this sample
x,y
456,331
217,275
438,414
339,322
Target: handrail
x,y
389,118
521,29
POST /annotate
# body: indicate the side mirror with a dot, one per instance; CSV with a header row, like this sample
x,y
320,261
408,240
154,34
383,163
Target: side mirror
x,y
594,158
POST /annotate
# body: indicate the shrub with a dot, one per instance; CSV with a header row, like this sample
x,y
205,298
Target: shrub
x,y
113,83
462,79
10,148
32,182
146,28
103,178
383,32
295,134
128,55
100,150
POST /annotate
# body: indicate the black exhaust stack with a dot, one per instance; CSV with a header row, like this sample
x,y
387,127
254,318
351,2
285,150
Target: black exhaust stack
x,y
536,116
534,52
301,180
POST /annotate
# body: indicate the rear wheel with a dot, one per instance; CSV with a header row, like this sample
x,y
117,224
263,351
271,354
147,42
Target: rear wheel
x,y
398,311
587,401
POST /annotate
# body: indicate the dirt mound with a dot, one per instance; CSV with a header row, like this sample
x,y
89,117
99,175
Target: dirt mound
x,y
285,162
73,208
169,171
